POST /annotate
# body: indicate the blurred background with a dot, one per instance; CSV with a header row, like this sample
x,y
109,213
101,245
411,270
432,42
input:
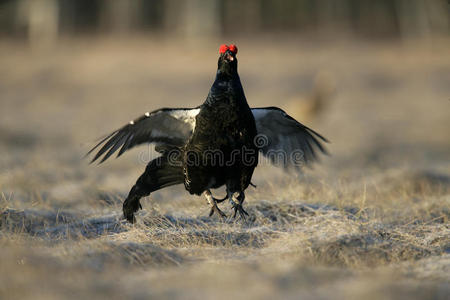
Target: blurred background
x,y
373,76
44,21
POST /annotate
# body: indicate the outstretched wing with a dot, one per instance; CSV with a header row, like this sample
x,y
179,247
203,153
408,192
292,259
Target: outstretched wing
x,y
283,140
167,127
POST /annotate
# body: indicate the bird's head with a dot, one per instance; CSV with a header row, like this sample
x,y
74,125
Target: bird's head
x,y
227,60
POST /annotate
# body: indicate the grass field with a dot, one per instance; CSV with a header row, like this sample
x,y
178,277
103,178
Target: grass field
x,y
371,221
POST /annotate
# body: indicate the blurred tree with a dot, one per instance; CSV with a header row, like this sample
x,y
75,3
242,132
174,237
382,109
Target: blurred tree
x,y
422,18
192,19
80,16
246,19
120,15
40,18
43,20
200,19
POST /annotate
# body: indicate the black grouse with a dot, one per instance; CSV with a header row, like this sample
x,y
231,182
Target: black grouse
x,y
214,144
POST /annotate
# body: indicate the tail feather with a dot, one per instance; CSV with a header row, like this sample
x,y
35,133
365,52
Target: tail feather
x,y
159,173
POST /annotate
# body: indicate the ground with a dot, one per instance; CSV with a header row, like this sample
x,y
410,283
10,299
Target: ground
x,y
369,221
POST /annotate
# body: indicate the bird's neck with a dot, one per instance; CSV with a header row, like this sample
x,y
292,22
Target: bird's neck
x,y
227,89
226,75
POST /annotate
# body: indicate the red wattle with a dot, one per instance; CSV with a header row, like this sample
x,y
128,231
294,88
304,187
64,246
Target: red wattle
x,y
223,48
233,48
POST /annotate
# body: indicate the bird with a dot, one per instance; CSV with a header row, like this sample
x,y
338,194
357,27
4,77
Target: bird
x,y
212,145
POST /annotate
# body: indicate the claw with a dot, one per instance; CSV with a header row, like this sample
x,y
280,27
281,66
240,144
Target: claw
x,y
236,203
213,203
240,209
243,211
217,209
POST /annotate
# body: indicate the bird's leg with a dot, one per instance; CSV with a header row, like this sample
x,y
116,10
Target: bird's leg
x,y
213,203
237,202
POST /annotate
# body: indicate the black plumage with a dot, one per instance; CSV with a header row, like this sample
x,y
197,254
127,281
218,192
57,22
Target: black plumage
x,y
212,145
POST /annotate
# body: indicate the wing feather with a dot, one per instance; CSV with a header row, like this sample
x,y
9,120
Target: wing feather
x,y
114,147
171,127
125,145
286,136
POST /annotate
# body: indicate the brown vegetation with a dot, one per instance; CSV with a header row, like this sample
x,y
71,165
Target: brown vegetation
x,y
371,221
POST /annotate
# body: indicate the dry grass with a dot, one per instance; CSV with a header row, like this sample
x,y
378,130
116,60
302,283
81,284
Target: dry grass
x,y
372,221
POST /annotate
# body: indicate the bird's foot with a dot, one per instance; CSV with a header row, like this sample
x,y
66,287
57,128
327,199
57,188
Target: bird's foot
x,y
238,208
129,208
213,204
236,204
215,208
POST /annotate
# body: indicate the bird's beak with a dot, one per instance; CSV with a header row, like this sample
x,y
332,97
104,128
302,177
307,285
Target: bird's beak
x,y
229,56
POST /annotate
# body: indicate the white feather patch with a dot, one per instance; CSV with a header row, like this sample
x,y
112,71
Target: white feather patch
x,y
186,115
